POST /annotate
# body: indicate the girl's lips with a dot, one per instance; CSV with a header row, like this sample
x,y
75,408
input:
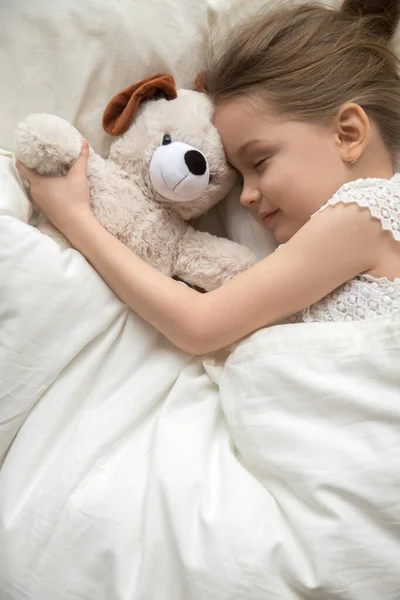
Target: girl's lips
x,y
268,217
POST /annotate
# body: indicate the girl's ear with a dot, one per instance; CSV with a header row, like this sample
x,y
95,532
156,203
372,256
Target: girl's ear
x,y
384,14
352,131
121,109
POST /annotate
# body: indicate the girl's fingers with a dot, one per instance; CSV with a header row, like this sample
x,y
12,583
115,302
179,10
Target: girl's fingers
x,y
24,171
80,165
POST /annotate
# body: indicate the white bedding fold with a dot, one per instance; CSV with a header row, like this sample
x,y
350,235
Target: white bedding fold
x,y
314,411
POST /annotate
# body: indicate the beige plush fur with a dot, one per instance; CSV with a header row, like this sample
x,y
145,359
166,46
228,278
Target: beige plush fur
x,y
125,187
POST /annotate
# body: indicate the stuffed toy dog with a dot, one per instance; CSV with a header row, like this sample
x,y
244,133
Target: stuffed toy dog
x,y
166,167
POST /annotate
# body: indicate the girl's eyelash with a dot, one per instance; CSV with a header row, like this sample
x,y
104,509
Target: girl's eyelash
x,y
259,163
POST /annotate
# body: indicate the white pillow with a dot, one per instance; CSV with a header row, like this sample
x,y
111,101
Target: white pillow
x,y
69,57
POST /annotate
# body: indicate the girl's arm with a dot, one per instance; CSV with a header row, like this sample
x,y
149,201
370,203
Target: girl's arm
x,y
331,248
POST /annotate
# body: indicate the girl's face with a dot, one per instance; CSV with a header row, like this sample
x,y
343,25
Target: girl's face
x,y
289,168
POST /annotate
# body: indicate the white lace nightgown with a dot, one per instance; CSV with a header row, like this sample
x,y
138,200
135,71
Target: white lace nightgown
x,y
364,297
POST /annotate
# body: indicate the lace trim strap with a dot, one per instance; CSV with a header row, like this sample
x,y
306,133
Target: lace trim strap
x,y
381,197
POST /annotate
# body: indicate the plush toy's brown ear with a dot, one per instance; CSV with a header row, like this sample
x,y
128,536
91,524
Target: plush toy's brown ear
x,y
121,110
387,13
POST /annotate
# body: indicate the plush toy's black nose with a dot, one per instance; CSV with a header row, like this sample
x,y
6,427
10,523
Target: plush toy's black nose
x,y
196,163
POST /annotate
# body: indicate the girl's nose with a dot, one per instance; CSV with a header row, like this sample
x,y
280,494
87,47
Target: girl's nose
x,y
249,195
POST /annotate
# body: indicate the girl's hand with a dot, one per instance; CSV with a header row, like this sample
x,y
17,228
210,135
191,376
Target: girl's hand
x,y
64,200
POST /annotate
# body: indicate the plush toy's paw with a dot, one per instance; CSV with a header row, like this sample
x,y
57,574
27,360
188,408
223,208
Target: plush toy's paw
x,y
242,259
207,261
231,260
48,144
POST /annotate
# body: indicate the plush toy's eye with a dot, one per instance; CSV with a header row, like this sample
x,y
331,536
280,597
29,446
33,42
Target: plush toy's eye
x,y
166,139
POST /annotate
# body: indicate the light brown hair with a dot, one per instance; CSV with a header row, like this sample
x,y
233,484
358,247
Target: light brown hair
x,y
307,60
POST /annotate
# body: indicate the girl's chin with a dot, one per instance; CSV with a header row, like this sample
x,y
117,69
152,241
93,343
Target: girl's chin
x,y
278,231
283,232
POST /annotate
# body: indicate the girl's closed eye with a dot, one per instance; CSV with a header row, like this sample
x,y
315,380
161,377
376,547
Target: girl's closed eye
x,y
261,162
262,156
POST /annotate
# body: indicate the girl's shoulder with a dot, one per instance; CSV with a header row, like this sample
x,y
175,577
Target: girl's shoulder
x,y
374,185
380,196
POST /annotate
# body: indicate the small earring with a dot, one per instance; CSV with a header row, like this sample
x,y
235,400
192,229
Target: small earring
x,y
352,161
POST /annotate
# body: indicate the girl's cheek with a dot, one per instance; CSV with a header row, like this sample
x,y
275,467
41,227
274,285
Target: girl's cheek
x,y
270,184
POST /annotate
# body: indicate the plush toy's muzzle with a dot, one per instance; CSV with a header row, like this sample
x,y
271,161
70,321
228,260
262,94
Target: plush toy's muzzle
x,y
179,172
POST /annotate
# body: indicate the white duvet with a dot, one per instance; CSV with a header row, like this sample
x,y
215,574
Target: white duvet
x,y
141,473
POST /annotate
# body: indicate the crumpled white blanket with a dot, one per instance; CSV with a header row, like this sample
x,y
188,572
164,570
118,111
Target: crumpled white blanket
x,y
137,472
